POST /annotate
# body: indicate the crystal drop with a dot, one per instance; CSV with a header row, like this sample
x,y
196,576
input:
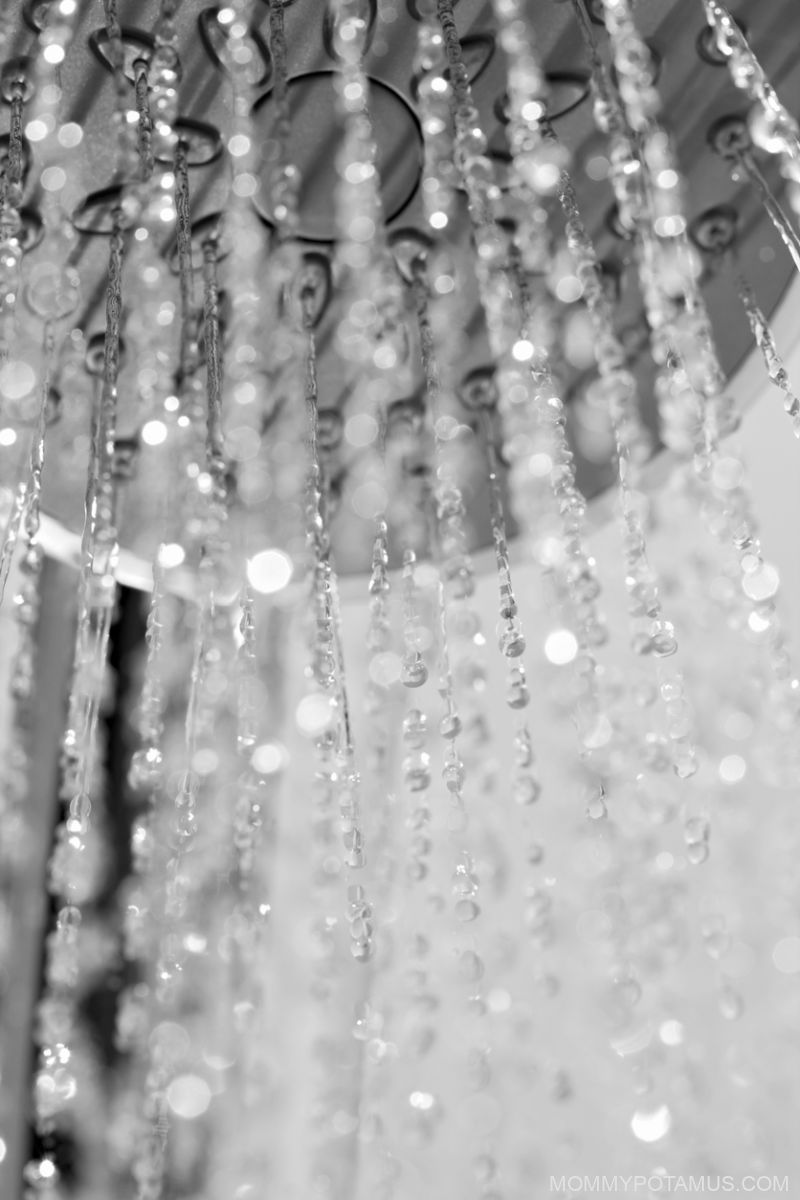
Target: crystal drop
x,y
697,853
466,910
417,772
508,605
186,824
145,769
415,727
453,775
685,764
80,811
596,808
450,726
355,856
69,918
361,929
414,673
465,882
511,640
526,789
538,908
361,951
517,694
696,830
523,750
664,642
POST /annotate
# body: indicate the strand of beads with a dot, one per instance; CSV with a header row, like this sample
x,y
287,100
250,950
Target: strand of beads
x,y
189,383
14,787
439,178
537,160
285,183
679,411
420,1030
124,135
416,766
462,681
526,787
11,533
164,76
652,633
205,744
149,329
16,89
676,311
682,426
451,537
54,1084
533,413
249,815
379,642
188,348
773,128
373,329
328,671
144,127
348,794
319,702
321,716
156,92
243,1158
765,341
691,363
671,274
479,394
246,405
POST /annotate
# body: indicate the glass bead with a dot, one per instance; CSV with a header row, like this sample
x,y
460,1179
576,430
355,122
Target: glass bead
x,y
415,727
510,639
596,808
517,694
414,673
526,789
466,910
454,775
450,726
417,772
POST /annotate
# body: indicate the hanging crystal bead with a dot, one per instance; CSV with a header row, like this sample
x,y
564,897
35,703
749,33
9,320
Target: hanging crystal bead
x,y
373,330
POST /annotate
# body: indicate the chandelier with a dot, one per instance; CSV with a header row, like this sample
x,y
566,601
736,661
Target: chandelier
x,y
420,827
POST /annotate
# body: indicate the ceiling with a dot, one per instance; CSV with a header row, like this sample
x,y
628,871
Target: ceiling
x,y
695,94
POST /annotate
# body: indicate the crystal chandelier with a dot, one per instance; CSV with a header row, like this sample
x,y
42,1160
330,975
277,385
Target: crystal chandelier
x,y
346,893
